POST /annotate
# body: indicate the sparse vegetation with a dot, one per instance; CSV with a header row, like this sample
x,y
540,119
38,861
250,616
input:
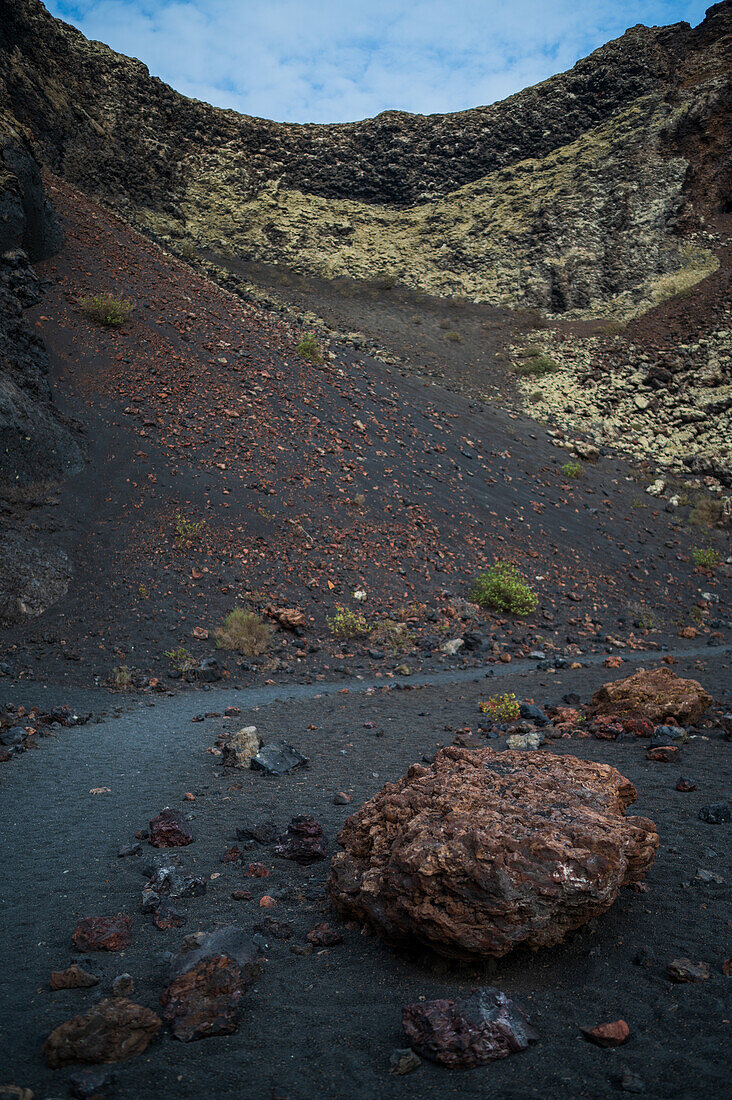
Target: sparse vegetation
x,y
454,337
105,309
188,250
122,677
346,623
504,589
245,632
705,557
392,635
180,658
187,531
535,364
706,512
309,349
572,470
501,708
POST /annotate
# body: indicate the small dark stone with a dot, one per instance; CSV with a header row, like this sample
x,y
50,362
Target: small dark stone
x,y
264,832
631,1082
684,784
534,714
278,758
403,1061
130,850
684,970
123,985
208,671
716,813
88,1083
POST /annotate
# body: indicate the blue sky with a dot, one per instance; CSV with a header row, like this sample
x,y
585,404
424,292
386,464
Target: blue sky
x,y
340,60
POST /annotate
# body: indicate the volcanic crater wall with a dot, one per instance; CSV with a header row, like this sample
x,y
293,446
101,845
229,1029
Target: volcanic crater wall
x,y
571,195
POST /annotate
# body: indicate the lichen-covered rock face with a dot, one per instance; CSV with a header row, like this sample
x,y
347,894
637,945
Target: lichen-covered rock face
x,y
658,695
482,852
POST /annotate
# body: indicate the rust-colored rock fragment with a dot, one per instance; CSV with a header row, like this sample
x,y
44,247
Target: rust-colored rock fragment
x,y
103,933
169,830
658,695
110,1031
607,1035
483,851
664,754
470,1032
73,977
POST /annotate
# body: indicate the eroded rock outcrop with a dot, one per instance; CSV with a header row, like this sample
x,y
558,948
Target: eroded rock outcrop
x,y
484,851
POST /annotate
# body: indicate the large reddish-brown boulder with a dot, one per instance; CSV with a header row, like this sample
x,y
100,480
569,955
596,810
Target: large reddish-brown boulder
x,y
110,1031
483,851
658,696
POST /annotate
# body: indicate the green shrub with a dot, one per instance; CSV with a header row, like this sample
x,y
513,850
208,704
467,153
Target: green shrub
x,y
454,337
503,588
105,309
535,365
705,557
345,623
309,349
572,469
501,708
180,658
122,677
706,512
245,632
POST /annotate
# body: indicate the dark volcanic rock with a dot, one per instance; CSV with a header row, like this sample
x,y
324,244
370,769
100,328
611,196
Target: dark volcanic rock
x,y
470,1032
303,842
657,696
483,851
103,933
278,758
110,1031
169,830
716,813
684,970
207,983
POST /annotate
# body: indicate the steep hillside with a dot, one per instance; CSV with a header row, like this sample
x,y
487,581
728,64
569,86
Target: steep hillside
x,y
585,192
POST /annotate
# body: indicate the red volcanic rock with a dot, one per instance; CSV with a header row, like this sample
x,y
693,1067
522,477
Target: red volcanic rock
x,y
470,1032
664,754
207,983
324,936
103,933
607,1035
656,696
74,977
169,830
483,851
303,842
684,784
110,1031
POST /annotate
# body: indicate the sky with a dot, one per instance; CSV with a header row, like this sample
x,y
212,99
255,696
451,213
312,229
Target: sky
x,y
342,60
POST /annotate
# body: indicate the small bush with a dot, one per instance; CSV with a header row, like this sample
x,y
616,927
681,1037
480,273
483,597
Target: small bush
x,y
536,365
180,658
105,309
345,623
454,337
122,677
705,513
501,708
503,588
705,557
188,250
187,530
245,632
394,636
309,349
572,470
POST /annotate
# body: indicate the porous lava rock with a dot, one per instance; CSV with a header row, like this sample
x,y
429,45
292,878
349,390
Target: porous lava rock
x,y
110,1031
303,842
73,977
206,984
607,1035
482,851
658,695
103,933
469,1032
169,830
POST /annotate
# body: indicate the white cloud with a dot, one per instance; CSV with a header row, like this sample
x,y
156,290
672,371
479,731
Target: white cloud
x,y
339,60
